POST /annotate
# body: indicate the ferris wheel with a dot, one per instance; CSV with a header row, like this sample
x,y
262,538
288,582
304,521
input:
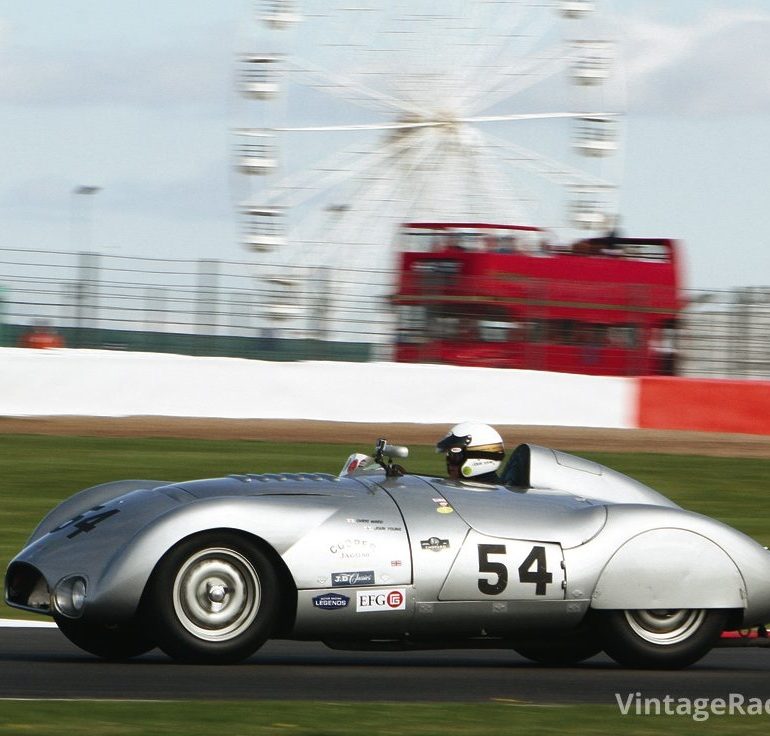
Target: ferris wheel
x,y
357,116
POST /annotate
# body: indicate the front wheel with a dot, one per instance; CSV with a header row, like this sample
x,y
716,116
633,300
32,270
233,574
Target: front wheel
x,y
660,638
214,598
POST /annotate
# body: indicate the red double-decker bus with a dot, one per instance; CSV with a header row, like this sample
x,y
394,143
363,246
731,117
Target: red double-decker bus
x,y
505,296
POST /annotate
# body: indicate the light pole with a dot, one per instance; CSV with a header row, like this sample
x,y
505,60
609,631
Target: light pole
x,y
88,268
81,216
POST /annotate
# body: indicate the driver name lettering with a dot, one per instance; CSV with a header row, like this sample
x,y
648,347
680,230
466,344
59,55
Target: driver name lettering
x,y
382,600
374,525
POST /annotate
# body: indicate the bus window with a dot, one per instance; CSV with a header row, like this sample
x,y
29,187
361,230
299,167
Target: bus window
x,y
445,327
562,331
411,324
589,333
623,336
536,330
418,240
496,331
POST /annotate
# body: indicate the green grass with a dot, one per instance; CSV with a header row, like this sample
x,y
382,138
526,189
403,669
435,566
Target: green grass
x,y
733,490
268,718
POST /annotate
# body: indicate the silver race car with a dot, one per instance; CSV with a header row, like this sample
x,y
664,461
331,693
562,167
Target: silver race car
x,y
564,559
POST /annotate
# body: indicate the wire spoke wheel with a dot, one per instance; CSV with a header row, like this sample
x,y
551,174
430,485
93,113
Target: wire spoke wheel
x,y
665,627
217,594
213,598
659,638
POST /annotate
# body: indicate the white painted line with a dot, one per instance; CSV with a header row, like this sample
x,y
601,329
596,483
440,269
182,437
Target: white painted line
x,y
9,623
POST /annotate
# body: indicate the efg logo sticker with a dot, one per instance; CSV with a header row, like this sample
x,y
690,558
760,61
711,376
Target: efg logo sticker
x,y
331,601
346,579
382,600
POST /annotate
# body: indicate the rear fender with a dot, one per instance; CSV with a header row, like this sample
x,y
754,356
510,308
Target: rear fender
x,y
669,568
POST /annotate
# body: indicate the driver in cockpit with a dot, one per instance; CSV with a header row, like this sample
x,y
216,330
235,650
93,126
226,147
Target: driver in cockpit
x,y
474,451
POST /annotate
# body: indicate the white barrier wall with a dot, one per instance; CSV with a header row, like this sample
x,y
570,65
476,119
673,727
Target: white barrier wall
x,y
110,383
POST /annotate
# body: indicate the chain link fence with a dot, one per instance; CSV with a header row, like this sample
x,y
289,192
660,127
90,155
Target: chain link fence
x,y
233,308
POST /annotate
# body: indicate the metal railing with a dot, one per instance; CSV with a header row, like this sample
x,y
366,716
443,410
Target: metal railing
x,y
247,309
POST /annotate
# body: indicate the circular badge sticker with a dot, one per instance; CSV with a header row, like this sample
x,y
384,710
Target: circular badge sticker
x,y
395,599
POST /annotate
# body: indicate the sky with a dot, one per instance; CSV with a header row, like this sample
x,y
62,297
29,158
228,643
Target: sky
x,y
136,98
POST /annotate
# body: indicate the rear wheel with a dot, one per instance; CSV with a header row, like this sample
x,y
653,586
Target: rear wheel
x,y
116,642
214,598
660,638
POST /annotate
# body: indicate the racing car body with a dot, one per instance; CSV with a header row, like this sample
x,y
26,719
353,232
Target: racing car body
x,y
563,559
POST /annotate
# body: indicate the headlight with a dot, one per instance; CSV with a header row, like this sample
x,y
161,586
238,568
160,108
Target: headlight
x,y
69,596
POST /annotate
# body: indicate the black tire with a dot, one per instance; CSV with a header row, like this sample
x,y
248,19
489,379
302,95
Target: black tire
x,y
212,599
560,651
117,642
660,639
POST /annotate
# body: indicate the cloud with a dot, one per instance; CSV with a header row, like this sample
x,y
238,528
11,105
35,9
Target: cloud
x,y
715,66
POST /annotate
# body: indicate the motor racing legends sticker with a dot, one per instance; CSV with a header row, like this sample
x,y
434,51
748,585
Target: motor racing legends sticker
x,y
331,601
381,600
343,579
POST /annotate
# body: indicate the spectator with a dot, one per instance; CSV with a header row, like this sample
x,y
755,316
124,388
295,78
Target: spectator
x,y
41,335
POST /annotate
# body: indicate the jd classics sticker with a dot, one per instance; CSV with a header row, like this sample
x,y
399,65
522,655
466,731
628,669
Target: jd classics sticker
x,y
345,579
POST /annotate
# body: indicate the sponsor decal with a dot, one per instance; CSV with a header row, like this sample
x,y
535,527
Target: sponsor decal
x,y
353,549
443,506
396,563
342,579
434,544
331,601
381,600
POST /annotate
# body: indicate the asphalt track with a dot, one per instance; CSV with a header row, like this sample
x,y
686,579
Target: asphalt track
x,y
40,663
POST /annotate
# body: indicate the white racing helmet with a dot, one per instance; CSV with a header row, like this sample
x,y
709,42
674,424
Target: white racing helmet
x,y
477,448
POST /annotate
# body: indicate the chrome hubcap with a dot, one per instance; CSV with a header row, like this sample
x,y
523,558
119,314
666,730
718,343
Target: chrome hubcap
x,y
216,594
665,627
